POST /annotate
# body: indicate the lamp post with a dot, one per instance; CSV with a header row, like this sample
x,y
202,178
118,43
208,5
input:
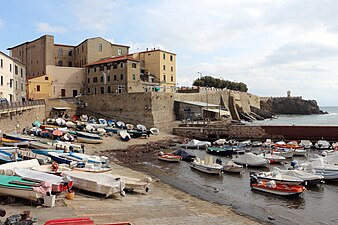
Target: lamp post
x,y
200,74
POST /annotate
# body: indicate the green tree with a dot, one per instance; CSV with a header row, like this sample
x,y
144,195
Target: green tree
x,y
209,81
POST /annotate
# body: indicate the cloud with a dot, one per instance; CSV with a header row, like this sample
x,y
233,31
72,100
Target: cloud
x,y
46,28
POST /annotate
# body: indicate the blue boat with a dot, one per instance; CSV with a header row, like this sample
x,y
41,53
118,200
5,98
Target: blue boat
x,y
45,151
6,157
227,150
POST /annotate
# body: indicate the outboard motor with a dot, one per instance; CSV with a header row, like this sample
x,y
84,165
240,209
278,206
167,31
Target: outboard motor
x,y
219,161
294,163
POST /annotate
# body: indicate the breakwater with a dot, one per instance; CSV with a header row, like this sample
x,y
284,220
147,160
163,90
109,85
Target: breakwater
x,y
275,132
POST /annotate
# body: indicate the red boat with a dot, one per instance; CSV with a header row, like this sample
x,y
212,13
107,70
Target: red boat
x,y
169,157
274,188
71,221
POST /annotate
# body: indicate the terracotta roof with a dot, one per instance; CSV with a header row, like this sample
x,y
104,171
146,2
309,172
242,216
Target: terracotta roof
x,y
115,59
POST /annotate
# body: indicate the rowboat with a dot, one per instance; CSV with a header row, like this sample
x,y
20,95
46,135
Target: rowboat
x,y
16,143
138,133
132,184
100,183
154,131
45,151
6,157
40,145
59,184
206,166
18,137
274,188
89,138
169,157
8,168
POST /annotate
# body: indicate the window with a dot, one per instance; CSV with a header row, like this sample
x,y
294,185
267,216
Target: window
x,y
119,51
60,63
120,88
109,89
16,85
88,70
121,65
88,80
70,53
171,58
172,78
21,86
134,77
115,66
102,90
1,63
16,69
108,66
163,55
11,83
95,91
100,47
95,80
70,64
164,78
10,67
95,69
115,77
38,88
163,67
108,78
101,68
21,73
74,93
88,90
102,79
82,48
46,78
60,52
133,65
1,80
121,76
171,69
63,92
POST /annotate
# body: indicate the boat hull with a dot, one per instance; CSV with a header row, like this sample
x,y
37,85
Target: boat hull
x,y
206,169
89,140
276,192
170,159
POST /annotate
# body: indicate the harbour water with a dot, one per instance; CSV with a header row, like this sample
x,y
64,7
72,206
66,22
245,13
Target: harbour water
x,y
317,205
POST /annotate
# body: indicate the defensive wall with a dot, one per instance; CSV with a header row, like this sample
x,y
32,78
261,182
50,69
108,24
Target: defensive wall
x,y
242,132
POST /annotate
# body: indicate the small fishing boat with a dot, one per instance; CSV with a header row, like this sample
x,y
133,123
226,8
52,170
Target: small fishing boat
x,y
138,133
53,168
196,144
169,157
250,159
132,184
16,143
300,152
286,152
232,167
219,142
40,145
306,143
18,187
141,127
19,137
120,124
100,183
73,221
272,157
124,135
8,168
70,124
279,178
256,143
206,166
308,178
227,150
329,171
91,168
45,151
130,126
89,138
90,158
322,145
274,188
185,155
113,130
9,156
154,131
60,122
59,184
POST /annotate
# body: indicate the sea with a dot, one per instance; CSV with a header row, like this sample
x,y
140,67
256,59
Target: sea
x,y
317,205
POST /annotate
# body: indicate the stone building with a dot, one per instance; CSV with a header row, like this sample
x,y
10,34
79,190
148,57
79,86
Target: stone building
x,y
57,62
114,75
158,66
12,78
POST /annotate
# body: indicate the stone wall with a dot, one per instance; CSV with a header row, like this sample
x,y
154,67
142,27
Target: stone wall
x,y
60,102
16,121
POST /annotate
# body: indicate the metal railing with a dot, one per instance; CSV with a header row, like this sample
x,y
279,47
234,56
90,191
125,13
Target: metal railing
x,y
14,106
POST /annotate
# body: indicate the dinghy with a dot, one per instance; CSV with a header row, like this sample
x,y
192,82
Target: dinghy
x,y
322,145
306,143
274,188
100,183
9,156
169,157
141,127
154,131
250,159
206,166
124,135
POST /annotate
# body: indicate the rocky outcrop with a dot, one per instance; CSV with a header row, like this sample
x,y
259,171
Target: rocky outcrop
x,y
291,106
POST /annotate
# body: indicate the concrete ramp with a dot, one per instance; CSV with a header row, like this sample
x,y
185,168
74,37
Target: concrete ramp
x,y
232,108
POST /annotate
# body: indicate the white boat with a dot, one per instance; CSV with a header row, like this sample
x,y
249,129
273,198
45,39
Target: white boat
x,y
306,143
59,184
232,167
246,143
88,138
196,144
300,152
331,158
60,122
132,184
220,142
322,144
279,178
154,131
329,171
286,152
250,159
8,168
268,143
125,136
272,157
141,127
100,183
129,126
206,166
308,178
256,143
95,125
49,169
70,124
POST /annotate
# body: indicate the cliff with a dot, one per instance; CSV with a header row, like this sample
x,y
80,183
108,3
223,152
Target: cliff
x,y
291,106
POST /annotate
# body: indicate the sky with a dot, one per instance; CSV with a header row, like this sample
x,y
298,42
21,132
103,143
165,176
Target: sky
x,y
271,45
